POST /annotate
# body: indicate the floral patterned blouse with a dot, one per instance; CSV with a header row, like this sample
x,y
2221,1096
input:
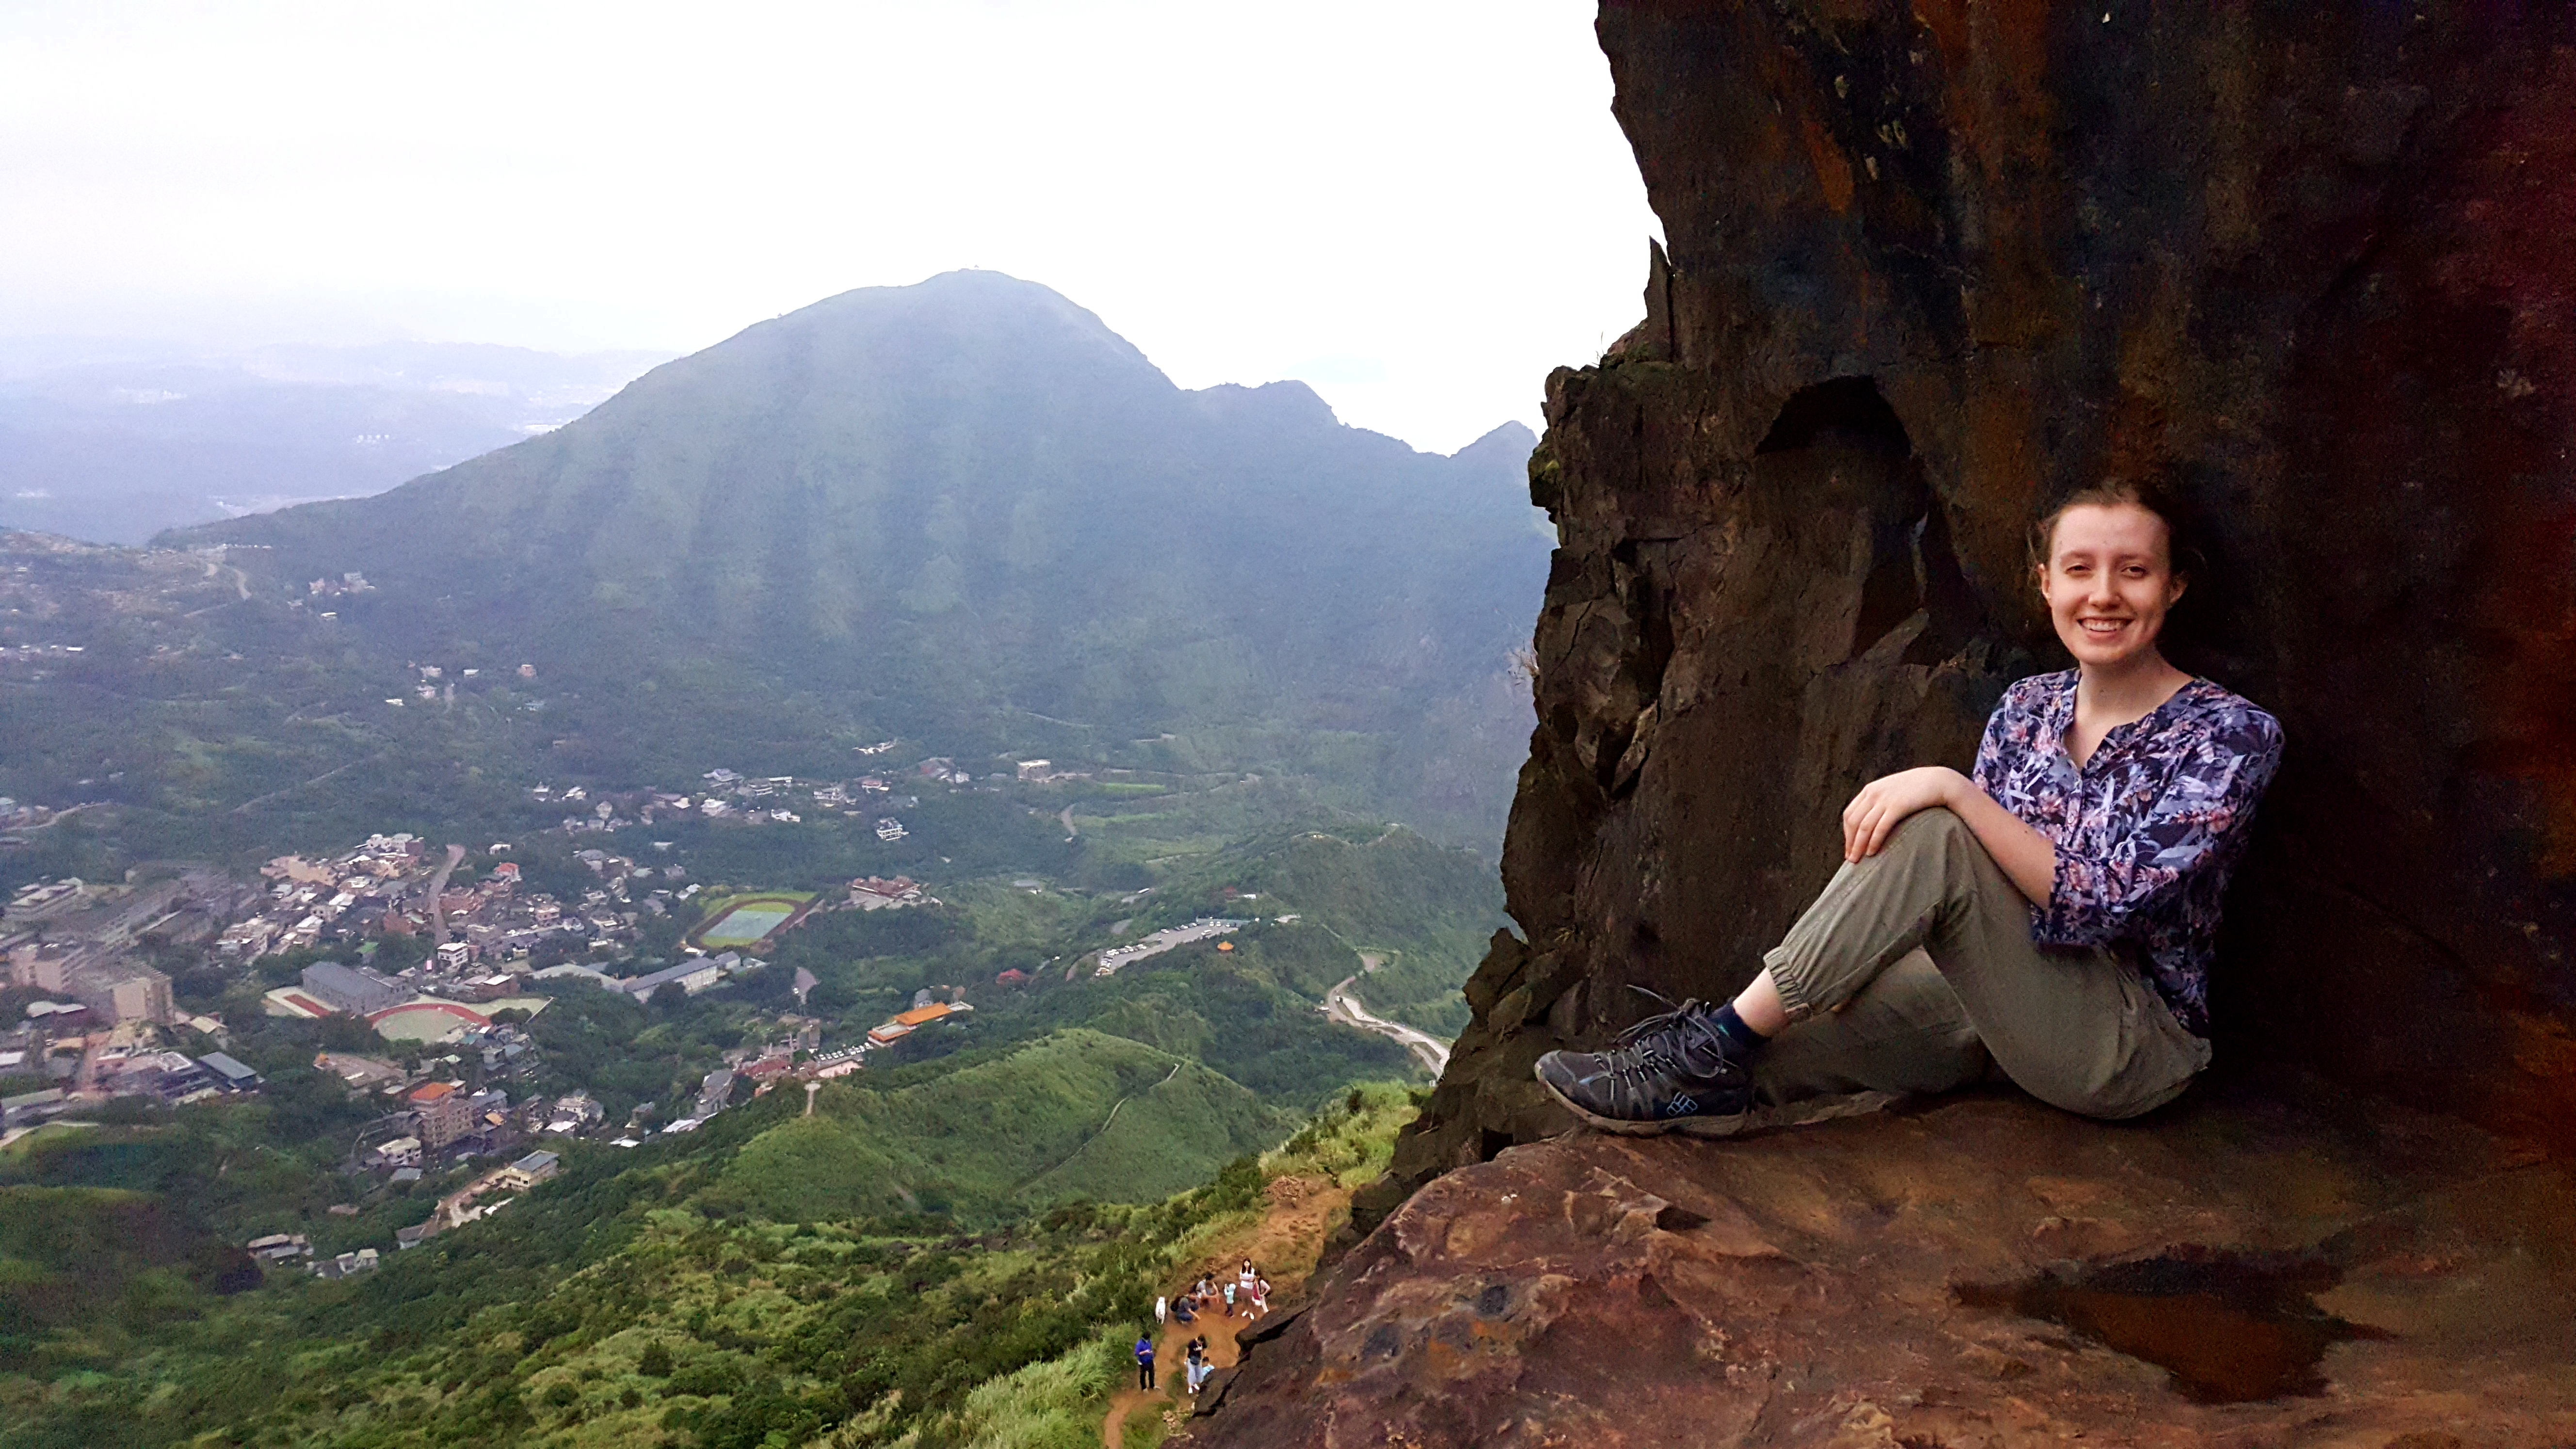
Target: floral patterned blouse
x,y
2146,832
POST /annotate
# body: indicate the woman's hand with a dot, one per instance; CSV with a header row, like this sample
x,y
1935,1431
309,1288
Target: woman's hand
x,y
1883,804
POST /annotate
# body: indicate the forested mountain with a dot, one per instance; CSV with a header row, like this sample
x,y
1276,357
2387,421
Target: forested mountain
x,y
969,500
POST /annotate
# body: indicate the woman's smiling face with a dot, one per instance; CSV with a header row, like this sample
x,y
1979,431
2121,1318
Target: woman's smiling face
x,y
2109,580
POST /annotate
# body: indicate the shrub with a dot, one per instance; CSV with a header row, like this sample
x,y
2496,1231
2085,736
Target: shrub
x,y
1056,1404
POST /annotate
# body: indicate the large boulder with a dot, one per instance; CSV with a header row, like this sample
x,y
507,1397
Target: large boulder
x,y
1930,264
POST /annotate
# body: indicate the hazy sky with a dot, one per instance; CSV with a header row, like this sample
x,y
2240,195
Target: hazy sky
x,y
1419,208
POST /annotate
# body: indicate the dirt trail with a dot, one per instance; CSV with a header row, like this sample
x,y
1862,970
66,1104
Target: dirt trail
x,y
1285,1244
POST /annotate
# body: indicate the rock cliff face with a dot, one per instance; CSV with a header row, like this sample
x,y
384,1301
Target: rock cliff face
x,y
1933,263
1930,265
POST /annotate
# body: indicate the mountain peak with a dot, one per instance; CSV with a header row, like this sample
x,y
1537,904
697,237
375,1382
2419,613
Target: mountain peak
x,y
1510,444
948,498
1287,402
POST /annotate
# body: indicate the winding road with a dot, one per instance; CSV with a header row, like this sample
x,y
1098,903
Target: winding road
x,y
1340,1005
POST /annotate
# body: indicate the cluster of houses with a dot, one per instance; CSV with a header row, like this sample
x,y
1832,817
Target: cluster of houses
x,y
280,1250
72,939
383,888
378,888
431,1120
344,586
93,1067
99,1029
442,1122
16,816
434,681
478,1199
729,796
495,924
798,1056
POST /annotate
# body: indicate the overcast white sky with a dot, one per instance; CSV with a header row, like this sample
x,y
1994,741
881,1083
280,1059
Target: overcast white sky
x,y
1419,208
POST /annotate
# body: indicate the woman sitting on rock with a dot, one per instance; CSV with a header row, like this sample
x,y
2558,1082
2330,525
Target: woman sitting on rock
x,y
2052,916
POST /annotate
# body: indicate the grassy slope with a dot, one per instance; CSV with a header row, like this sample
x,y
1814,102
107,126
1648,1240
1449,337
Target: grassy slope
x,y
1427,909
634,1302
1073,1114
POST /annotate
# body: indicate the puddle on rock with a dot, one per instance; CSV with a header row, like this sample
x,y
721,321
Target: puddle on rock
x,y
2230,1329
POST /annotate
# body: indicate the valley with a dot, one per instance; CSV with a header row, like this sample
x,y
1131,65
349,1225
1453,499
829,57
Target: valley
x,y
781,904
814,1086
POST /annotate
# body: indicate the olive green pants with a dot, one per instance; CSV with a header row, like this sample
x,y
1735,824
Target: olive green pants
x,y
1914,971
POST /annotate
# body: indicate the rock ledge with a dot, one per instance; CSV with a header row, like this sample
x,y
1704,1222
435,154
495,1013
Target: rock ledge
x,y
1866,1283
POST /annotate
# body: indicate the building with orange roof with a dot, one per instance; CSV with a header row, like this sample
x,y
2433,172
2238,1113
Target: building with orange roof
x,y
442,1113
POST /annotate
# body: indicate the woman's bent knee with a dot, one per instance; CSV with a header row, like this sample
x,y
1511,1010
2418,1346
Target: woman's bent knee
x,y
1935,824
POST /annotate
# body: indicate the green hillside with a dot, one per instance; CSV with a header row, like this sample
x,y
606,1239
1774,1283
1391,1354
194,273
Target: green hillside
x,y
84,1258
962,506
1075,1114
1425,911
638,1299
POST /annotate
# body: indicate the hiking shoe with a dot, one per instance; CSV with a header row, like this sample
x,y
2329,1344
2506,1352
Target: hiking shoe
x,y
1675,1072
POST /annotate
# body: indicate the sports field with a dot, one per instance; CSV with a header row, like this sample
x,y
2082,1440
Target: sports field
x,y
745,924
749,920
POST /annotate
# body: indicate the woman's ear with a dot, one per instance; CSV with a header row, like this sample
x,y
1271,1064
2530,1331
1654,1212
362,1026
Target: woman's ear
x,y
2173,589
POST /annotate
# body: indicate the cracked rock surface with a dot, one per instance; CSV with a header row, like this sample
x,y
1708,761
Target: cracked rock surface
x,y
1953,1278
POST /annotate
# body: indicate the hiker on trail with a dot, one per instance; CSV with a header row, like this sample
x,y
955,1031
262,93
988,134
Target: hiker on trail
x,y
1260,1297
1181,1310
1145,1361
1229,1298
2051,915
1245,1278
1197,1370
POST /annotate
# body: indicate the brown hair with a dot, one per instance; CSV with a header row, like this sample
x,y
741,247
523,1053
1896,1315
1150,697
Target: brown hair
x,y
2149,493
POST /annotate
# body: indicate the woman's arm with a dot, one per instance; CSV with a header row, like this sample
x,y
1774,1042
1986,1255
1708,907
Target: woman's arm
x,y
2027,856
2209,800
